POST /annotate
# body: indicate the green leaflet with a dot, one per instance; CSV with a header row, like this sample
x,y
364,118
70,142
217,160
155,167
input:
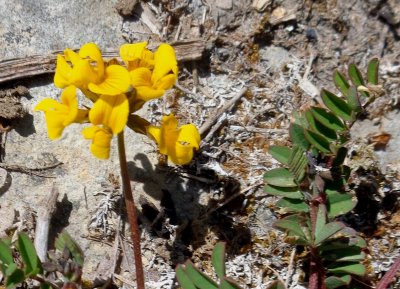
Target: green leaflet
x,y
337,105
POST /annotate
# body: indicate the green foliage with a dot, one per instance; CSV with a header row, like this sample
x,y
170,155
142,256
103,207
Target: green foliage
x,y
29,256
65,242
218,260
280,177
281,153
312,183
20,262
28,266
189,277
334,282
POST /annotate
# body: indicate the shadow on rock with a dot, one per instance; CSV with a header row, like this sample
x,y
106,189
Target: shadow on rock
x,y
24,126
5,181
60,219
178,217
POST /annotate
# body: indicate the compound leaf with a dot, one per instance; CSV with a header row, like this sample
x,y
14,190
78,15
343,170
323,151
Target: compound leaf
x,y
356,77
287,192
292,205
14,276
353,100
328,119
327,231
318,127
227,283
280,177
334,282
292,225
318,141
297,136
218,259
373,71
28,254
6,257
198,278
339,203
280,153
337,105
346,254
349,268
64,240
183,278
341,82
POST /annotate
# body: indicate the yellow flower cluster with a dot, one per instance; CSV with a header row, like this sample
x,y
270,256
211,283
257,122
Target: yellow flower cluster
x,y
117,91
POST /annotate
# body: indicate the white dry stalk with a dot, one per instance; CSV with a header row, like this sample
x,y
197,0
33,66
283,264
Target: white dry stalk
x,y
100,220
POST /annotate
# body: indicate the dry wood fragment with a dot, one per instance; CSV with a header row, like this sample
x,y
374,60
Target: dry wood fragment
x,y
148,18
281,15
260,5
19,68
213,119
43,223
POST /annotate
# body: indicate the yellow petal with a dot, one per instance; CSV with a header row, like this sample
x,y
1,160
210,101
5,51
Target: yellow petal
x,y
165,136
54,123
68,98
141,77
169,122
166,82
101,139
147,93
131,52
137,55
165,63
48,104
92,51
83,73
189,136
72,56
63,72
117,80
182,155
89,132
155,133
111,111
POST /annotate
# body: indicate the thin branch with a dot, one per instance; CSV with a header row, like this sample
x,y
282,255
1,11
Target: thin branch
x,y
213,119
389,275
19,68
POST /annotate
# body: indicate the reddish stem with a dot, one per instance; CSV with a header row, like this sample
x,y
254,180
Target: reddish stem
x,y
389,275
131,210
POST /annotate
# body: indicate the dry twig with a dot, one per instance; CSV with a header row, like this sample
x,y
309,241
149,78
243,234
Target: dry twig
x,y
18,68
29,171
213,120
43,223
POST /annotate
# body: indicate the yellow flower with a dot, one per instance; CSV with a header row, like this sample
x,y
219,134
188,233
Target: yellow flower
x,y
178,143
59,115
101,139
108,116
137,55
152,84
87,71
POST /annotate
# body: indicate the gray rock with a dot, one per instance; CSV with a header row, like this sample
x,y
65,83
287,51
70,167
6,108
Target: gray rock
x,y
43,26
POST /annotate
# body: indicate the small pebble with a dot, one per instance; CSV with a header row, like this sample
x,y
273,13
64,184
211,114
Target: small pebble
x,y
311,34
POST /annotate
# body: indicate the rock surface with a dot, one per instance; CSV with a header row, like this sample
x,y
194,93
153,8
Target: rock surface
x,y
41,27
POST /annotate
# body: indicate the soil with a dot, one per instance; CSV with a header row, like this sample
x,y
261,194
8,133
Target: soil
x,y
284,52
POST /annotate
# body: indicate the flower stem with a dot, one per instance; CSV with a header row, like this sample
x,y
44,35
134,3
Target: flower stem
x,y
131,210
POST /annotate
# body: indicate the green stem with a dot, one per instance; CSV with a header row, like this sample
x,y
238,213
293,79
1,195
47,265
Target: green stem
x,y
131,210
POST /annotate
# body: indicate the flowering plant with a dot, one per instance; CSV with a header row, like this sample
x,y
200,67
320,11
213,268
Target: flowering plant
x,y
117,91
